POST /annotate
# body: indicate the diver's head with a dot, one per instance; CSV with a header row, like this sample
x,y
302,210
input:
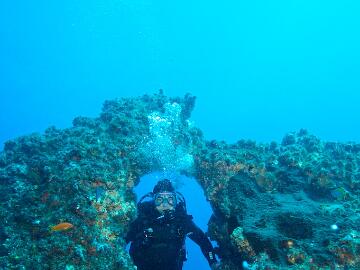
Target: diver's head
x,y
164,196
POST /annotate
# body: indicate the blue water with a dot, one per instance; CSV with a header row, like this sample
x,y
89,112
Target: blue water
x,y
259,68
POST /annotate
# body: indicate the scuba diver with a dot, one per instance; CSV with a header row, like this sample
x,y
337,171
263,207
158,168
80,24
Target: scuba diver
x,y
158,234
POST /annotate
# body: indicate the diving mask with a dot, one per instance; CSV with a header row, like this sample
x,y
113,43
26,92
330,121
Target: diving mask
x,y
165,197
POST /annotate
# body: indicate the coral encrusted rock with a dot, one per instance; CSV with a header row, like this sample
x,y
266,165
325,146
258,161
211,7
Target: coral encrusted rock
x,y
67,194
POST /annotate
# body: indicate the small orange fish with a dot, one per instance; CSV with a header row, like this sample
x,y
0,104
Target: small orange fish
x,y
61,227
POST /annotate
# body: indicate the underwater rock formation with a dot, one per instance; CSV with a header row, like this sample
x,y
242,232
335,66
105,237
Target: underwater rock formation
x,y
289,206
67,198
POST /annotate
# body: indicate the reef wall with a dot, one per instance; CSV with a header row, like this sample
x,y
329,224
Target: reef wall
x,y
290,206
293,205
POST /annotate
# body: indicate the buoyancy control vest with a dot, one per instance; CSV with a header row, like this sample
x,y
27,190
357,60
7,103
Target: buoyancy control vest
x,y
161,238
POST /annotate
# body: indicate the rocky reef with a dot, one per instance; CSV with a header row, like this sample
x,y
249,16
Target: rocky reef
x,y
289,206
294,205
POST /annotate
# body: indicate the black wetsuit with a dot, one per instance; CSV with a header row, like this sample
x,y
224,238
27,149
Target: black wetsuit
x,y
158,241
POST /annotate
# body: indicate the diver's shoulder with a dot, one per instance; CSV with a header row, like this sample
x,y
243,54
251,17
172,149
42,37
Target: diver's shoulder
x,y
145,206
146,209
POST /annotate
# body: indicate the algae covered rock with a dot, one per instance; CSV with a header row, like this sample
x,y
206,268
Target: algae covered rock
x,y
293,205
287,206
81,176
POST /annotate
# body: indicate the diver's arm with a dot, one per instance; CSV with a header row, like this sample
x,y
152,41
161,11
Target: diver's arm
x,y
137,226
133,232
199,237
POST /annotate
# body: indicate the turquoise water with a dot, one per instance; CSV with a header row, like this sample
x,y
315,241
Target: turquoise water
x,y
259,69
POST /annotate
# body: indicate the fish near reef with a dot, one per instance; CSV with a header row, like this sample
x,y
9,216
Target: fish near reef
x,y
64,226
